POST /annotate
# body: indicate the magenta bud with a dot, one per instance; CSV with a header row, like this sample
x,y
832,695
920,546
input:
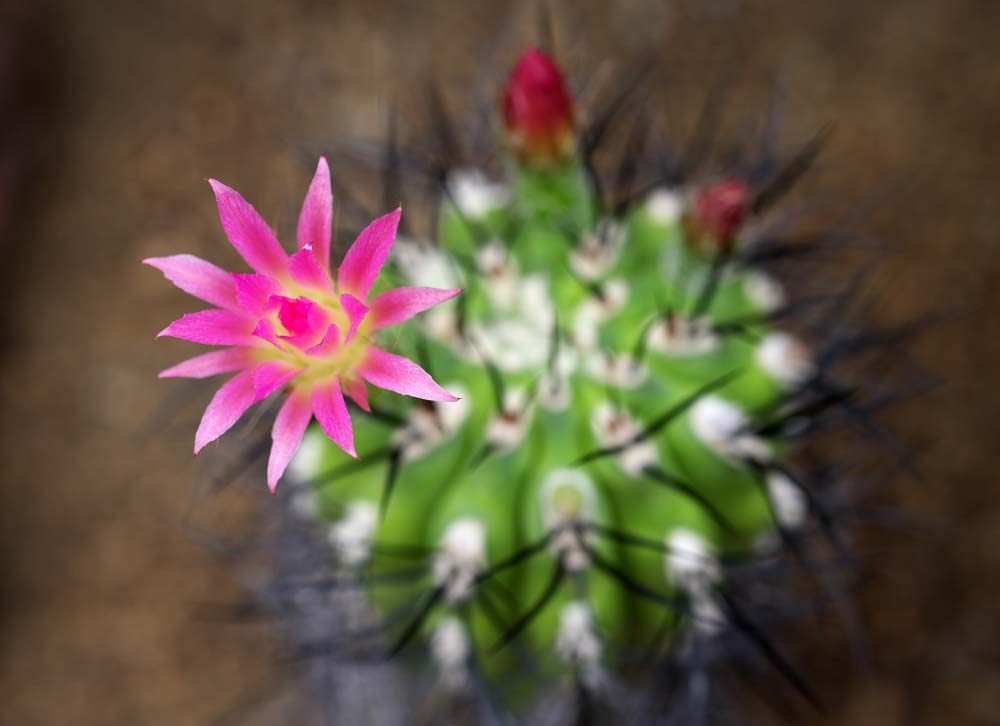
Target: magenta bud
x,y
538,110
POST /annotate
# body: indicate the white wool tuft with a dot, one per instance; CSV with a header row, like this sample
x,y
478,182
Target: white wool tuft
x,y
692,566
614,427
790,506
566,544
676,335
763,291
577,642
450,648
460,558
474,194
664,206
785,359
725,429
351,535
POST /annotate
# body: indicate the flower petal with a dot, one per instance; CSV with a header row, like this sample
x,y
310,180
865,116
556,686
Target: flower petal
x,y
395,373
253,292
297,316
331,412
213,327
356,311
210,364
307,272
357,391
316,217
305,321
197,277
366,256
249,233
289,426
395,306
265,330
225,409
270,376
330,342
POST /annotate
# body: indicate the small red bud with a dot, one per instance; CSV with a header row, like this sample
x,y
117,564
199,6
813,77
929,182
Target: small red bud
x,y
718,210
538,109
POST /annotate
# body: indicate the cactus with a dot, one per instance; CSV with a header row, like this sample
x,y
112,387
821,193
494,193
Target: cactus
x,y
621,500
621,462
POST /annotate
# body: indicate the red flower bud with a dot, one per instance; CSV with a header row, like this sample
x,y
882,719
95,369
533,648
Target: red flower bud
x,y
538,109
717,212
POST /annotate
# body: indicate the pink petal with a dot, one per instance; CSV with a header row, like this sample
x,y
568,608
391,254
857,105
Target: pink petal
x,y
265,330
210,364
253,292
395,373
329,344
357,391
331,412
305,321
307,272
316,218
366,256
249,233
197,277
296,316
356,311
213,327
289,426
225,409
269,377
395,306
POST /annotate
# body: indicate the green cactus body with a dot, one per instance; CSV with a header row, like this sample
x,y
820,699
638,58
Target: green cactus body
x,y
604,420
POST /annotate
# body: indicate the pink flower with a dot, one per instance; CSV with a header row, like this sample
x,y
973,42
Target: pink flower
x,y
293,324
538,109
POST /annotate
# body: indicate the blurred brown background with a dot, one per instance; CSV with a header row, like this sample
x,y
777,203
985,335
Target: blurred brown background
x,y
135,104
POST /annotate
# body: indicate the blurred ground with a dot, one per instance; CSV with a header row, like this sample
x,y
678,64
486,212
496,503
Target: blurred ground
x,y
140,102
